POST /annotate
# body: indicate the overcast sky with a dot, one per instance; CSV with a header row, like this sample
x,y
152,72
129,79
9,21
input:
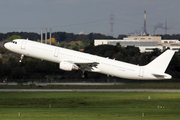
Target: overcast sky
x,y
86,16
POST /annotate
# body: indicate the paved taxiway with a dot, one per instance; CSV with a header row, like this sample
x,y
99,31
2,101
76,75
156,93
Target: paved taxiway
x,y
89,90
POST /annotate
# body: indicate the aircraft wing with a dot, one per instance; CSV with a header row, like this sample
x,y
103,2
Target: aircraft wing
x,y
83,65
89,66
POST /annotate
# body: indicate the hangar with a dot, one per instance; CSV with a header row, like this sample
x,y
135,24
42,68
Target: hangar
x,y
145,43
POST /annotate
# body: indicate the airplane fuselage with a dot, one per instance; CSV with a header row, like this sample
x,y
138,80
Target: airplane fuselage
x,y
82,60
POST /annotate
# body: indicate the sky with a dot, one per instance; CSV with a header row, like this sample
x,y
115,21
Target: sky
x,y
90,16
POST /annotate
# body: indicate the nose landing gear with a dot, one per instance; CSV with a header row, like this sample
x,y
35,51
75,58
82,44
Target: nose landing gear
x,y
21,58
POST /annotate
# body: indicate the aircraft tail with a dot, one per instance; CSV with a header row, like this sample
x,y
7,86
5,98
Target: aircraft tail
x,y
161,62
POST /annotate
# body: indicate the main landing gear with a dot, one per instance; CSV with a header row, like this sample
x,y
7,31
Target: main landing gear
x,y
21,58
84,75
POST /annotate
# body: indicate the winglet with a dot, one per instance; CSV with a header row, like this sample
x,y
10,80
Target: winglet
x,y
161,62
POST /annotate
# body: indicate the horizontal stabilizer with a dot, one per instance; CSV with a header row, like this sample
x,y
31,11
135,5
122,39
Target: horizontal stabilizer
x,y
162,75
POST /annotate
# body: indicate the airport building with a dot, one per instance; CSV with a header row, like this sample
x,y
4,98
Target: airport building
x,y
145,43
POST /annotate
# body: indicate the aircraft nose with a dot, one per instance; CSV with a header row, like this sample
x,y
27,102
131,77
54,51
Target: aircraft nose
x,y
7,45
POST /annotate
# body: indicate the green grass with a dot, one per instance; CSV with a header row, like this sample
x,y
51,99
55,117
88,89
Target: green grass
x,y
89,105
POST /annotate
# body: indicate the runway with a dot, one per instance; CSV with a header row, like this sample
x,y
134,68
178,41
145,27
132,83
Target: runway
x,y
89,90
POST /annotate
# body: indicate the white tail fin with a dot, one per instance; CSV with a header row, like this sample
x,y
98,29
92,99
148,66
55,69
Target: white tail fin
x,y
161,62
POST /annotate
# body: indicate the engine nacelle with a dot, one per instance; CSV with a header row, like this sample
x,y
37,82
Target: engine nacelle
x,y
67,66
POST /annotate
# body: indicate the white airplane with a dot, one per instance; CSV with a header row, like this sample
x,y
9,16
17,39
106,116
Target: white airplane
x,y
69,60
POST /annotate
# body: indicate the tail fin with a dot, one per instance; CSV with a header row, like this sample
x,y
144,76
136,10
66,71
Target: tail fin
x,y
161,62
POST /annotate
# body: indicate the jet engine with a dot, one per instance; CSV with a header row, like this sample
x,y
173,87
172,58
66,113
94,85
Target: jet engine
x,y
67,66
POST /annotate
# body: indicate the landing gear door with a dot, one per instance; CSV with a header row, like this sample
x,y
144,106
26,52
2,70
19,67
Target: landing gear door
x,y
141,72
23,46
56,52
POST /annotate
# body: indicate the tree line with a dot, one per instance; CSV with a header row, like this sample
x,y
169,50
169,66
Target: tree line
x,y
59,36
63,36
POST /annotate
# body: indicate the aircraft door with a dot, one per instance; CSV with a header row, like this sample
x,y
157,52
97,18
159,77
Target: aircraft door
x,y
56,52
141,72
23,46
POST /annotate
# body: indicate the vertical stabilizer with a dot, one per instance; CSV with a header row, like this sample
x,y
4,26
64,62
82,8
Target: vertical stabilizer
x,y
161,62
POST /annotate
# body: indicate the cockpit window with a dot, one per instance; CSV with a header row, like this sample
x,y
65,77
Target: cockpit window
x,y
14,42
